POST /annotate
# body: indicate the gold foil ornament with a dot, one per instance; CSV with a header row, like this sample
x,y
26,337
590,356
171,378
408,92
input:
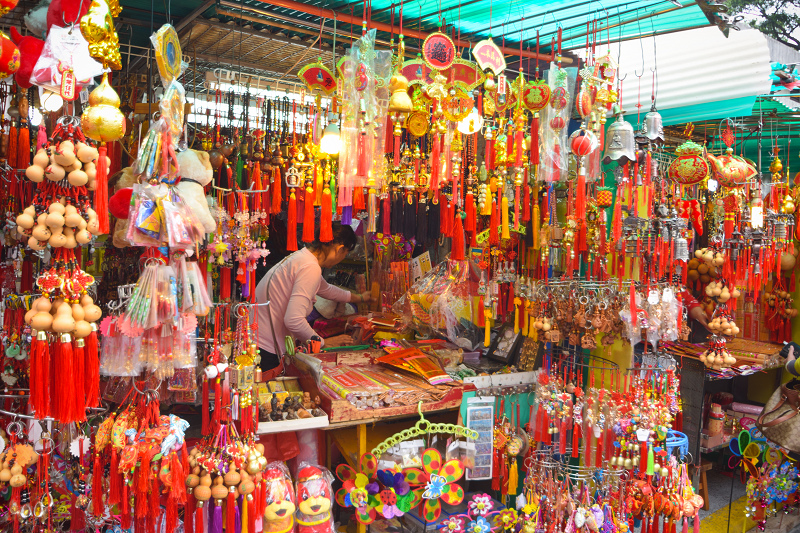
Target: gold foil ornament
x,y
97,28
102,120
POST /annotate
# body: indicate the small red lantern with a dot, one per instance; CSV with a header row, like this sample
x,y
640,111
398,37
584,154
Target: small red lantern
x,y
6,6
9,56
558,123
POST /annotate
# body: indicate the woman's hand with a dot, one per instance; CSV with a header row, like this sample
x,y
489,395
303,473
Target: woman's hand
x,y
362,297
700,315
338,341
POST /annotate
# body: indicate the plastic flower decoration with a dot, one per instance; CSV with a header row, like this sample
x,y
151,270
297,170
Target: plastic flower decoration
x,y
507,518
436,480
358,486
454,524
479,525
481,505
395,498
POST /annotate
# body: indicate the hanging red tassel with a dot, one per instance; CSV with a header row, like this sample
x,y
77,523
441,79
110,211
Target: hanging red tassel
x,y
199,527
251,514
41,136
358,200
101,192
696,525
518,142
13,139
308,216
291,223
562,437
494,224
457,249
580,194
97,486
634,321
230,512
526,194
78,366
470,223
445,218
489,154
576,436
24,146
217,401
115,479
189,515
535,139
275,188
40,375
436,164
91,385
172,513
326,216
386,215
205,407
65,374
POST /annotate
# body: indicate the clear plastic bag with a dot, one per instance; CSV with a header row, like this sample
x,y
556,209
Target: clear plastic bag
x,y
445,302
65,50
146,224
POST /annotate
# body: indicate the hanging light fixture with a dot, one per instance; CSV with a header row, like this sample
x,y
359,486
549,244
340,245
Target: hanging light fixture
x,y
331,141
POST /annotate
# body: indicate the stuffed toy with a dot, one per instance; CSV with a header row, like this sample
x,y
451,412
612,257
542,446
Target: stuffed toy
x,y
36,18
314,496
196,173
280,502
66,12
30,48
119,205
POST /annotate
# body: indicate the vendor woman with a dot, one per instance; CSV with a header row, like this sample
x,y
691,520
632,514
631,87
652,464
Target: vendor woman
x,y
291,287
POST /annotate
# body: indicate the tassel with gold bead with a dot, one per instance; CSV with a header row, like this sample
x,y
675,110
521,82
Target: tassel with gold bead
x,y
513,476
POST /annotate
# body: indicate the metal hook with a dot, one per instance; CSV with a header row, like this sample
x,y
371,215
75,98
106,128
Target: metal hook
x,y
641,45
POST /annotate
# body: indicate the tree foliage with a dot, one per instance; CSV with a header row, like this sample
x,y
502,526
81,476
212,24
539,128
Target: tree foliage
x,y
780,19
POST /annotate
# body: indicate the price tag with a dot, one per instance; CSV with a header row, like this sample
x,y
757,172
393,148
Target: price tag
x,y
642,434
668,295
84,96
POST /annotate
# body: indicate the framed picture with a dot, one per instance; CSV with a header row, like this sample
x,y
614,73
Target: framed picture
x,y
505,346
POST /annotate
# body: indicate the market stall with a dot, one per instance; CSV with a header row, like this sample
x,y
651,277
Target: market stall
x,y
472,267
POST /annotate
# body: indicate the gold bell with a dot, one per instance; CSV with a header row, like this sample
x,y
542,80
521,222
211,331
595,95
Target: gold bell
x,y
400,102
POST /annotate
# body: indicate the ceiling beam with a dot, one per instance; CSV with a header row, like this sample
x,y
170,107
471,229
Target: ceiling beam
x,y
194,14
250,31
209,58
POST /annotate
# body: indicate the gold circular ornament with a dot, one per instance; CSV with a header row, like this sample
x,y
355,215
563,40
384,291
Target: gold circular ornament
x,y
458,106
168,52
417,123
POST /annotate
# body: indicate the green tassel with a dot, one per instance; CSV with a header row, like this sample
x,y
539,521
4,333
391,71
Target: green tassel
x,y
651,461
239,171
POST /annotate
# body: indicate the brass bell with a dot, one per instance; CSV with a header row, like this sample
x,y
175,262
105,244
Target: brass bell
x,y
619,142
400,102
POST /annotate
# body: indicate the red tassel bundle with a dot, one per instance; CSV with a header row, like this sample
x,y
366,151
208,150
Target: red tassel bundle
x,y
188,515
634,321
101,192
518,148
13,139
78,367
251,514
386,215
580,195
230,512
457,248
436,164
326,216
24,146
115,479
494,224
358,200
40,375
535,139
308,216
41,136
470,223
291,223
445,218
97,486
64,363
91,385
205,408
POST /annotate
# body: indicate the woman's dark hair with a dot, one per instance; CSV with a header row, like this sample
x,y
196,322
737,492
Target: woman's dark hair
x,y
342,234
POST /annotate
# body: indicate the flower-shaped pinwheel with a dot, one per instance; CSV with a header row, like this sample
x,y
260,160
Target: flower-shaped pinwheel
x,y
507,518
435,481
454,524
357,487
479,525
481,505
395,498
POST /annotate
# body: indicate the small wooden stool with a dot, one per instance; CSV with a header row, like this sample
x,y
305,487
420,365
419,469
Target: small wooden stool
x,y
704,467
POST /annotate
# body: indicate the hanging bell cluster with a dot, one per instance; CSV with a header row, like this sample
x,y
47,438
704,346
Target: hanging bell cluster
x,y
620,142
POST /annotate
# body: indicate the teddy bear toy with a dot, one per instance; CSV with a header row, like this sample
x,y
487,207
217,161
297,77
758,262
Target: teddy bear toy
x,y
314,495
280,502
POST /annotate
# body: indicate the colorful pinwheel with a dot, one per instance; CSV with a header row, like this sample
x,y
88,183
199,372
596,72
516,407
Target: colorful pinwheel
x,y
507,518
358,487
481,505
436,481
395,498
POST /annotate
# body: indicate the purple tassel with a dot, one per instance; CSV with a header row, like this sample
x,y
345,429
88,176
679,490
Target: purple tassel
x,y
239,515
216,525
347,214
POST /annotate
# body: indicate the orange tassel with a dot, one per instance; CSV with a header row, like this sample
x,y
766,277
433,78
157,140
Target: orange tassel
x,y
24,147
13,140
326,216
275,186
469,208
291,223
358,199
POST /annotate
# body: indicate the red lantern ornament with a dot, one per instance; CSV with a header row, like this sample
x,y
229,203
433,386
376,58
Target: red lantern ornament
x,y
536,95
6,6
690,167
9,56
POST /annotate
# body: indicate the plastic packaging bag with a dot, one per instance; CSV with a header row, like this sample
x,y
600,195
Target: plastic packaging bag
x,y
445,302
65,50
314,499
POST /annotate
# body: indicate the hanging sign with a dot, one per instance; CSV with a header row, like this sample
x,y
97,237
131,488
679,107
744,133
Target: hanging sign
x,y
317,76
438,51
535,95
464,74
488,56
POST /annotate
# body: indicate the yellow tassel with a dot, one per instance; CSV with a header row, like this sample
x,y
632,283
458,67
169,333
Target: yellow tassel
x,y
513,477
517,303
505,235
244,517
535,226
487,316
